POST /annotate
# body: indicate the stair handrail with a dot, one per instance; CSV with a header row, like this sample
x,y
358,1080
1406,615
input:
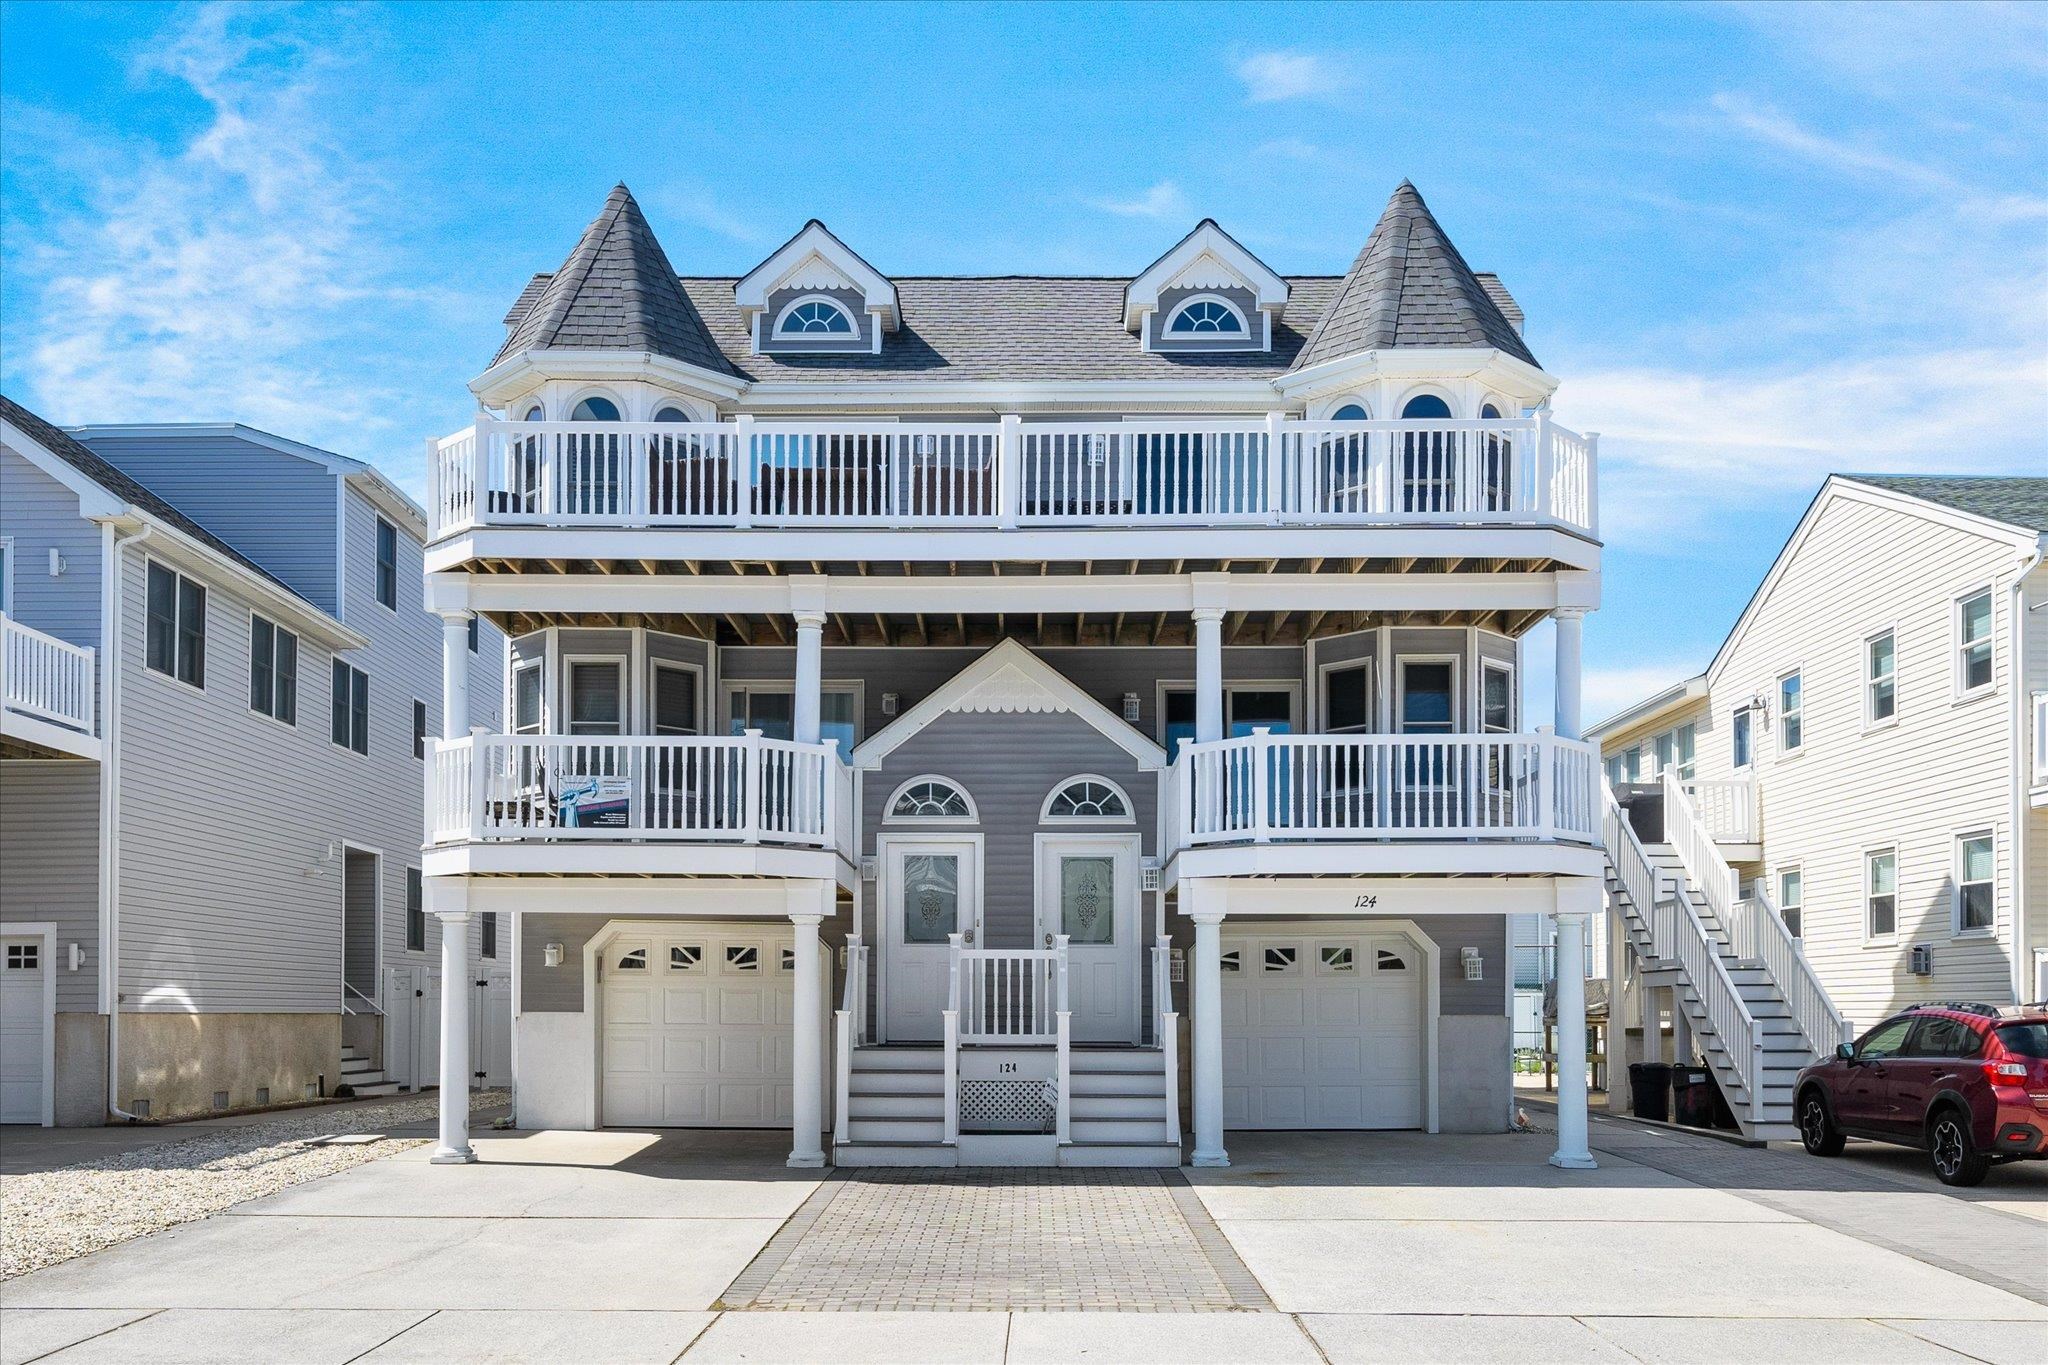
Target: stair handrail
x,y
950,1019
1166,1034
1677,934
1063,1021
348,989
1690,838
1785,958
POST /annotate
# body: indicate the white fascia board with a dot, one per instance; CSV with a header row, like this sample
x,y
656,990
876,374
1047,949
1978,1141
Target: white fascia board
x,y
518,373
1405,897
539,858
386,498
700,897
1563,545
781,595
1674,698
95,500
1009,654
1497,369
1391,859
43,734
751,292
276,601
1141,295
254,436
1255,396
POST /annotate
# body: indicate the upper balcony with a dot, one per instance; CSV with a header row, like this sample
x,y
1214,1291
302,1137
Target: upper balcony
x,y
1144,479
46,695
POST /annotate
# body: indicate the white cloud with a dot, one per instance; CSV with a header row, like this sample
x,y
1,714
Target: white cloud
x,y
1773,127
1604,691
1163,200
1271,77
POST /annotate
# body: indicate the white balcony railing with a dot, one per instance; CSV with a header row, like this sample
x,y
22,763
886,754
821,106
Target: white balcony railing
x,y
1266,787
44,678
744,789
1726,808
1012,473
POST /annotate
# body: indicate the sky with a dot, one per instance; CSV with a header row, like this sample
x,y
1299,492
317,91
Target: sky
x,y
1755,244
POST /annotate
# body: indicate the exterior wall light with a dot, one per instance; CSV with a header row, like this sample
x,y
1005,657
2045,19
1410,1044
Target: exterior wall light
x,y
1475,966
551,955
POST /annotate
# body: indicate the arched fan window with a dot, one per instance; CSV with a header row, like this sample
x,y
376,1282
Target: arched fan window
x,y
930,798
1089,799
814,318
1206,317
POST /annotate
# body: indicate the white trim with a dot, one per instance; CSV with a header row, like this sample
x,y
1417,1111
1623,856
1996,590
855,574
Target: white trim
x,y
890,817
1486,666
376,918
1401,662
1291,686
46,932
856,688
7,575
1867,854
1747,713
518,666
1958,667
1955,918
624,664
1798,869
1046,817
653,671
1141,296
1249,339
1320,719
815,239
1008,677
588,391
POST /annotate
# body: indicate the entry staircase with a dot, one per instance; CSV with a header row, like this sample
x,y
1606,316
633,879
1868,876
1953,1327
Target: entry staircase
x,y
1006,1087
361,1075
1756,1012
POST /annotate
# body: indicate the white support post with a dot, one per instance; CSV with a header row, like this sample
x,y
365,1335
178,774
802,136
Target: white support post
x,y
448,900
1681,1030
454,674
1208,1003
807,1071
1208,674
743,465
1277,501
1063,1017
1571,638
1572,1152
1010,471
810,676
842,1070
951,1129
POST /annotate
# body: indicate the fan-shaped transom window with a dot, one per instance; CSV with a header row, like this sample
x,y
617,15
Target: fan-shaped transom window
x,y
815,318
930,798
632,960
596,408
1206,317
1094,799
1350,412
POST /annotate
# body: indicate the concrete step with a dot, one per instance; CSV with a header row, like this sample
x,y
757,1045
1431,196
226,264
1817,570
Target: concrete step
x,y
862,1106
1152,1107
377,1089
1097,1062
893,1154
895,1130
897,1082
899,1059
1150,1083
1120,1154
360,1079
1116,1130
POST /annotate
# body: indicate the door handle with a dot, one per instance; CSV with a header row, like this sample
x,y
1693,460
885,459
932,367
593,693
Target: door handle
x,y
1048,940
967,937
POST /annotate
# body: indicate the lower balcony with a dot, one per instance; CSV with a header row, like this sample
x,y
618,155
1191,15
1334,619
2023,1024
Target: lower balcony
x,y
1349,804
47,697
651,804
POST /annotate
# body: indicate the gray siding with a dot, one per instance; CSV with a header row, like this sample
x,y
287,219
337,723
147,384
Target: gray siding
x,y
1487,933
50,850
553,990
278,509
1169,299
41,515
851,300
359,937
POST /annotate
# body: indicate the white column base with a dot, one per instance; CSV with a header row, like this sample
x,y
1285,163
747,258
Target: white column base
x,y
1209,1159
1574,1163
463,1156
805,1162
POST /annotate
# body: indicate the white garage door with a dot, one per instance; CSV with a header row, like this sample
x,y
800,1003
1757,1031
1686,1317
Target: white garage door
x,y
1322,1031
697,1029
24,1029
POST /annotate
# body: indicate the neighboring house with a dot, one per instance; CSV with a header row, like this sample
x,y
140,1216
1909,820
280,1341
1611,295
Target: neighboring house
x,y
1868,751
218,680
959,718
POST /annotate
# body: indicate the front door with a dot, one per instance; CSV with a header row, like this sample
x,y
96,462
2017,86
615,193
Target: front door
x,y
931,888
1088,890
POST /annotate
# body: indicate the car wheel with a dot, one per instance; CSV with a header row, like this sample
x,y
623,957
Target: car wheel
x,y
1817,1128
1955,1157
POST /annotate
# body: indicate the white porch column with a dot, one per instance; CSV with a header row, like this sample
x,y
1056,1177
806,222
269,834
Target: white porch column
x,y
448,900
1208,1029
807,1068
1572,1152
1571,640
810,675
455,675
1208,673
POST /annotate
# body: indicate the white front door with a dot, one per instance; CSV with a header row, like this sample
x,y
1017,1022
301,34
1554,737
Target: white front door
x,y
25,1026
1088,890
931,888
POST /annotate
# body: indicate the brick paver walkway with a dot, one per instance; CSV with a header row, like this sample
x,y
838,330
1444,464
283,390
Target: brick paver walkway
x,y
968,1240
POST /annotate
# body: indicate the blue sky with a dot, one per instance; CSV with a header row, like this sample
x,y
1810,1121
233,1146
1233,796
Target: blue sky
x,y
1756,243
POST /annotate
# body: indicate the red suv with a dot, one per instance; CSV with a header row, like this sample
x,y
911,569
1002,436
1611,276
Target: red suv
x,y
1966,1083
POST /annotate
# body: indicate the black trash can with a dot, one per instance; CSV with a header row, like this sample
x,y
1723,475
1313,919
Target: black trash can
x,y
1692,1096
1649,1090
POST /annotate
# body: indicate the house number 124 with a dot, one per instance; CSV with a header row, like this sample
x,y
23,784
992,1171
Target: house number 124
x,y
1005,1068
1366,903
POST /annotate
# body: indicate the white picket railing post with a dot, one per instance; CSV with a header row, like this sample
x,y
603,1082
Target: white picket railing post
x,y
952,1115
752,793
842,1095
1263,752
744,466
1063,1023
1277,501
480,751
1009,470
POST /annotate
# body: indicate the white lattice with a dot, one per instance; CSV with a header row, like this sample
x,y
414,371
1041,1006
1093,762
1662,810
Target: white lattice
x,y
1014,1106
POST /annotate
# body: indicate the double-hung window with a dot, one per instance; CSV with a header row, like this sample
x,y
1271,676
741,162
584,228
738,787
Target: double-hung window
x,y
273,671
771,709
175,641
419,729
1791,728
1975,883
1881,893
350,725
488,926
1973,643
1347,699
1740,750
1496,699
387,563
1791,898
415,913
1880,678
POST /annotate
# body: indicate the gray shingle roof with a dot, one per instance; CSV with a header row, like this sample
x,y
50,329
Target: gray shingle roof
x,y
2016,501
616,291
1410,287
116,481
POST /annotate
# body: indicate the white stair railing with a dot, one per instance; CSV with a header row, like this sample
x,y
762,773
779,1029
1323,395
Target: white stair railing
x,y
1009,995
1693,842
847,1029
1760,932
1166,1033
1063,1017
1726,808
951,1019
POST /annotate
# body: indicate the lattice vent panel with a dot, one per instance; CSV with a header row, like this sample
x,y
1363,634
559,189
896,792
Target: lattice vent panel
x,y
1020,1106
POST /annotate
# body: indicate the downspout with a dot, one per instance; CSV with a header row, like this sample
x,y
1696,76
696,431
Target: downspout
x,y
2022,778
111,656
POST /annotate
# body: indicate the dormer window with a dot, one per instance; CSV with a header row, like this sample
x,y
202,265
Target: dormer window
x,y
1206,317
814,318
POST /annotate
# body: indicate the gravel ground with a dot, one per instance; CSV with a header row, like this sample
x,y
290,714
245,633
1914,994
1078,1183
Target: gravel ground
x,y
51,1216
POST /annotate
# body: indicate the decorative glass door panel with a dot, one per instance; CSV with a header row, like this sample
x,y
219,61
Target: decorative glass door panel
x,y
1088,890
931,889
1088,899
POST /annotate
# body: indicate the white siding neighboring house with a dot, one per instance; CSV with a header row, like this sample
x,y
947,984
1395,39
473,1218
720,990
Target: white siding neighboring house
x,y
200,867
1887,674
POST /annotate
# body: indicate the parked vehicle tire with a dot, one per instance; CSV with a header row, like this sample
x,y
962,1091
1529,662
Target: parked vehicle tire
x,y
1817,1126
1953,1153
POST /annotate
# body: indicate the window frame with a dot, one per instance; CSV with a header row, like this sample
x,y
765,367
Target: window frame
x,y
1742,722
1959,647
1796,714
1400,698
1365,664
778,329
487,935
179,631
415,911
340,669
1957,929
1244,332
890,817
7,556
1799,907
625,675
655,667
1488,667
856,688
386,571
422,730
1164,687
538,667
1046,817
475,634
276,683
1871,720
1870,854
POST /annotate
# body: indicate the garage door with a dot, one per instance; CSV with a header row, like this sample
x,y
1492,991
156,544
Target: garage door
x,y
24,1029
1322,1031
697,1029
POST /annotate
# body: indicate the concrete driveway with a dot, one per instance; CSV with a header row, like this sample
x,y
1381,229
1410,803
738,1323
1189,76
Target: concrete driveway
x,y
1369,1247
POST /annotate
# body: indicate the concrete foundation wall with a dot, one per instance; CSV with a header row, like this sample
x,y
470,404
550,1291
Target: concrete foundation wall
x,y
81,1070
1473,1080
179,1061
556,1056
